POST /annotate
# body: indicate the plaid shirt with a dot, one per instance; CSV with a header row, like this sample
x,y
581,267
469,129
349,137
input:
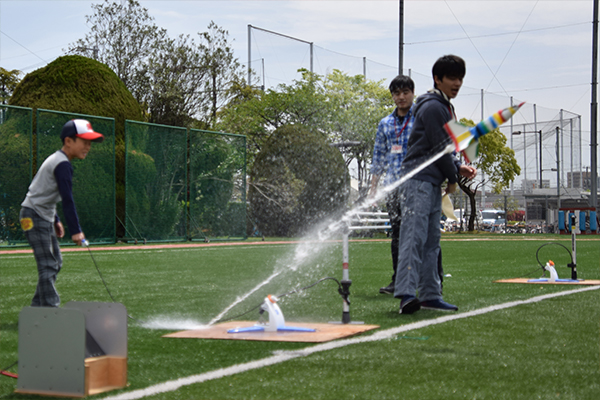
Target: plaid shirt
x,y
392,131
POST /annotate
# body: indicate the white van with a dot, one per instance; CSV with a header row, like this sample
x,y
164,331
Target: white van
x,y
493,220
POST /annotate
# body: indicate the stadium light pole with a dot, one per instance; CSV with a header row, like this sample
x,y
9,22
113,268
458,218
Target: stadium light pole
x,y
594,111
401,37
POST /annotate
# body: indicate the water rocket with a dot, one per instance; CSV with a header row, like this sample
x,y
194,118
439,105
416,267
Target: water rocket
x,y
466,138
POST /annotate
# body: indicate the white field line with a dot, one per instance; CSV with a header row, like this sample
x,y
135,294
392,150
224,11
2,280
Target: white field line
x,y
289,355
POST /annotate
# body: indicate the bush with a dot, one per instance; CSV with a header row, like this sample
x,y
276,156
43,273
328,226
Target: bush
x,y
296,181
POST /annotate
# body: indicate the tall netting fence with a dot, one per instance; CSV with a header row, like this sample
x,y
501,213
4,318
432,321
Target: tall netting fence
x,y
217,185
94,189
16,168
180,184
155,182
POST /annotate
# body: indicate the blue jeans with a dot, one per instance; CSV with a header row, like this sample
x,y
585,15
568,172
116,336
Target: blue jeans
x,y
420,235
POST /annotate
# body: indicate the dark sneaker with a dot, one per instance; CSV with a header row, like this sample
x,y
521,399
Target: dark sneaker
x,y
439,305
409,305
389,289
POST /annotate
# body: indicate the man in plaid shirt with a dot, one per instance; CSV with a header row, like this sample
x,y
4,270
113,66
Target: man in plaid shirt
x,y
389,151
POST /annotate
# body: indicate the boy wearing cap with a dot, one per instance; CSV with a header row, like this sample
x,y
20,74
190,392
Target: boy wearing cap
x,y
39,220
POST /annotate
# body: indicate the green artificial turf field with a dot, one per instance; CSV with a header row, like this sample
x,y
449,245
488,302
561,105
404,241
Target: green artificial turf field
x,y
547,349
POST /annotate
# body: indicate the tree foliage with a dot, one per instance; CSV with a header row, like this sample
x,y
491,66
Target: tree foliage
x,y
179,81
170,82
259,114
15,169
8,83
122,36
496,161
356,105
297,180
222,70
343,108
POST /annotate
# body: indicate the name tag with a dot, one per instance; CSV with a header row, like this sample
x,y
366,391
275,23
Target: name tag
x,y
396,149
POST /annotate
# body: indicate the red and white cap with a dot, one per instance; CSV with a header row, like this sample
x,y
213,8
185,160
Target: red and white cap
x,y
80,128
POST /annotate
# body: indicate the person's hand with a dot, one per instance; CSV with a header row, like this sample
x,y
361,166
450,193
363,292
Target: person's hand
x,y
59,229
467,171
77,238
451,188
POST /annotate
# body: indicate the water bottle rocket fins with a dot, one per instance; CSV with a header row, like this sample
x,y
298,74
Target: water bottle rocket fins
x,y
466,138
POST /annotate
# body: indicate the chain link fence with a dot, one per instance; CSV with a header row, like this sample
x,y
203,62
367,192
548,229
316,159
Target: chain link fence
x,y
179,184
16,169
155,182
217,185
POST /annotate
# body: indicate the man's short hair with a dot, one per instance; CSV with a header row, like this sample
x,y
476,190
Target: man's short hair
x,y
450,66
402,82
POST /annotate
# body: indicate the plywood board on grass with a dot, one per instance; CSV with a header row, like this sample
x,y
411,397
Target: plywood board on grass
x,y
323,332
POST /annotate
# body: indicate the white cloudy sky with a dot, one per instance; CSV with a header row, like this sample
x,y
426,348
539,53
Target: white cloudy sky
x,y
535,51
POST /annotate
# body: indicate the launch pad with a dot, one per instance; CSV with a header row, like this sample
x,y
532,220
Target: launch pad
x,y
323,332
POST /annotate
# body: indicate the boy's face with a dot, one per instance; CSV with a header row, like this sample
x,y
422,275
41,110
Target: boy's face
x,y
448,85
403,98
76,147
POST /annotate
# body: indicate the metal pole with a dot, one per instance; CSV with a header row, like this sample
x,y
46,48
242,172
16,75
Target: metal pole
x,y
525,157
594,111
541,169
365,67
538,159
580,155
249,55
263,74
557,169
562,145
401,38
512,188
572,177
482,173
311,58
346,282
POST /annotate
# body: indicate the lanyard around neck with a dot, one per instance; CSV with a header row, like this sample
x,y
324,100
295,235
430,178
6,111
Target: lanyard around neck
x,y
406,120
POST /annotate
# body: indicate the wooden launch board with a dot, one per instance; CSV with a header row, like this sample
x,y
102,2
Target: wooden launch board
x,y
538,282
323,332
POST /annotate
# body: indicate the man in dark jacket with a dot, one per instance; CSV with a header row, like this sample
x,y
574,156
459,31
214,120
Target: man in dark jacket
x,y
421,195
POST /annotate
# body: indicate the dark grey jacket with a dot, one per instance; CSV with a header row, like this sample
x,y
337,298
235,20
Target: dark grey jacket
x,y
428,137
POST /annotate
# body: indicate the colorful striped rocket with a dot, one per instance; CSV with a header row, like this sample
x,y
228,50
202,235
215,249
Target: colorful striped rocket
x,y
466,139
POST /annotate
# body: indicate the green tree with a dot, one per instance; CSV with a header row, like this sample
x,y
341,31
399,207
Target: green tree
x,y
297,180
343,108
355,105
497,161
179,81
15,169
122,36
259,114
222,70
8,83
172,78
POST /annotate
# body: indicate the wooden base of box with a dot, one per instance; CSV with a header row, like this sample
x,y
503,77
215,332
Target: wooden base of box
x,y
102,374
105,373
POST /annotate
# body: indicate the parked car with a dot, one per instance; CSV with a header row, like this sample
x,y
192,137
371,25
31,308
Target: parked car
x,y
493,220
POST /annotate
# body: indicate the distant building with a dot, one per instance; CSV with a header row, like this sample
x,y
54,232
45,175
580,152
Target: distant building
x,y
528,185
580,179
